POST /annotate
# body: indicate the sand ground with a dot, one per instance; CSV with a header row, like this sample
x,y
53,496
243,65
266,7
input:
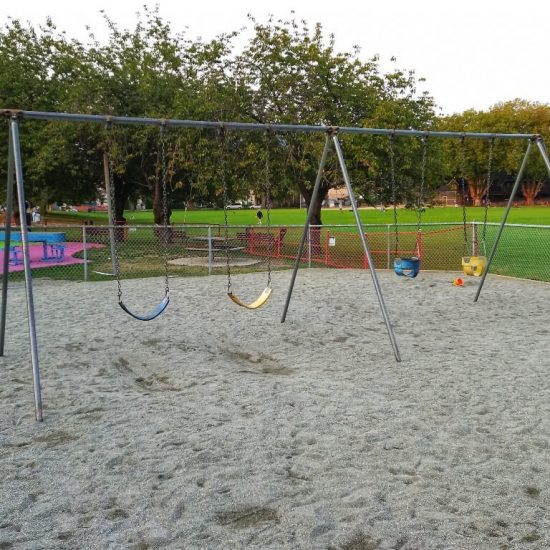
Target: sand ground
x,y
217,427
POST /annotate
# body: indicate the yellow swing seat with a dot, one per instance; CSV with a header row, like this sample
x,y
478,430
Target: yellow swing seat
x,y
258,302
474,265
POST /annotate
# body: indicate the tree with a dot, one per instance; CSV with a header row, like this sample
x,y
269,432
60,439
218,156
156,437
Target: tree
x,y
37,72
291,74
286,73
516,116
530,190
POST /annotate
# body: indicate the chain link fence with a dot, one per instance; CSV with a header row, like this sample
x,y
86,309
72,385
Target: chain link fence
x,y
86,252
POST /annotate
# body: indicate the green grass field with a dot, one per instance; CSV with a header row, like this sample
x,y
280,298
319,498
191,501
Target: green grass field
x,y
536,215
522,252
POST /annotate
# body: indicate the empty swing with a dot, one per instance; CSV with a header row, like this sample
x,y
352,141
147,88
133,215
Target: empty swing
x,y
402,265
475,265
266,293
156,311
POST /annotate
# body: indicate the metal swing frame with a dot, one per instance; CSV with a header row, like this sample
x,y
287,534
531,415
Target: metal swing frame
x,y
15,176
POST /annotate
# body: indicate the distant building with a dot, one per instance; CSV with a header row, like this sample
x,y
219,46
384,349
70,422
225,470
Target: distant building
x,y
447,195
335,196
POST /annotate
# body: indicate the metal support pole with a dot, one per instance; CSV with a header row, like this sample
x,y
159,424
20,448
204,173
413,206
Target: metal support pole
x,y
314,194
372,269
540,145
27,263
7,241
106,175
504,218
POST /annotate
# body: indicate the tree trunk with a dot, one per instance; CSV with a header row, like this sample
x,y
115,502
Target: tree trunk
x,y
158,213
158,207
315,232
477,189
121,195
530,190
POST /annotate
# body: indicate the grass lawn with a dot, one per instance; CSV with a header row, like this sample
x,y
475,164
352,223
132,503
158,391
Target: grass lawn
x,y
522,252
537,215
12,243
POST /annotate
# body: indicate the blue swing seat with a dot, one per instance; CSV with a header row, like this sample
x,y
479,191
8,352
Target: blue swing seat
x,y
152,314
407,267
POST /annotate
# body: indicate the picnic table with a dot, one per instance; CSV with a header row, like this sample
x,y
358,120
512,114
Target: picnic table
x,y
212,245
53,244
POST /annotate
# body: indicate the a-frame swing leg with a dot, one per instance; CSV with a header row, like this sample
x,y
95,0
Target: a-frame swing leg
x,y
18,166
314,194
7,241
333,139
372,270
504,218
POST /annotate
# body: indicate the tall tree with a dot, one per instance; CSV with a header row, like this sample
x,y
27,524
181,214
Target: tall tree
x,y
291,73
516,116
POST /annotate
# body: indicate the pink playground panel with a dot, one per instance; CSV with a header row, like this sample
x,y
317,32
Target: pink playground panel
x,y
36,254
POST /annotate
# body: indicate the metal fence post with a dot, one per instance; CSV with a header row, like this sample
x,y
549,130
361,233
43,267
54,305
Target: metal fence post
x,y
85,253
388,246
309,246
209,250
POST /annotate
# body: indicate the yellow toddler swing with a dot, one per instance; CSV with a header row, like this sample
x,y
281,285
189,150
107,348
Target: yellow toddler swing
x,y
475,265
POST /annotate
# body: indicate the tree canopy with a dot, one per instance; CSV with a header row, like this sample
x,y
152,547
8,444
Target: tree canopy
x,y
286,72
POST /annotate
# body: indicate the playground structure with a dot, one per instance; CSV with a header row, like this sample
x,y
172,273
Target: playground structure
x,y
332,143
53,246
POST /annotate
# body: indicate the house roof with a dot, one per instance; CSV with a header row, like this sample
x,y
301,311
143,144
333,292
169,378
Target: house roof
x,y
337,194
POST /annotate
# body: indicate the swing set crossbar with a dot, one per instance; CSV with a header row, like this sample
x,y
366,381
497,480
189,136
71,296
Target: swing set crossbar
x,y
253,126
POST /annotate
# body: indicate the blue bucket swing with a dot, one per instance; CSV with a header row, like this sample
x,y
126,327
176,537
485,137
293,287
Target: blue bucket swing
x,y
408,266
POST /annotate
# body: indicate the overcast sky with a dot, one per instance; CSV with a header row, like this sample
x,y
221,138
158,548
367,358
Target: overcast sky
x,y
472,53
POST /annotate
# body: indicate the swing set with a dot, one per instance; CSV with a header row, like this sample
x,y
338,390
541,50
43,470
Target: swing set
x,y
332,142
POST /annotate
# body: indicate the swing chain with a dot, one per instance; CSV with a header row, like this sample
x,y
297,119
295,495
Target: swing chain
x,y
393,191
463,188
420,198
112,199
164,202
268,199
487,189
221,154
422,182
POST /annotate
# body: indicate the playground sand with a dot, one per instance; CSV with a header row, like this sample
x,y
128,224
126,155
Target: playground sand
x,y
217,427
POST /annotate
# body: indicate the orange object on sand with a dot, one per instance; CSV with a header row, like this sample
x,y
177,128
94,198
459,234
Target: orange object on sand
x,y
458,282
